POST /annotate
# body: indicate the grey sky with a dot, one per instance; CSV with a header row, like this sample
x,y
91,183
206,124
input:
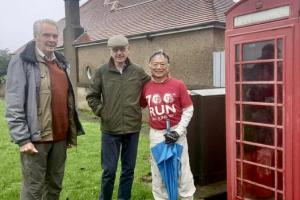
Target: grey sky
x,y
18,16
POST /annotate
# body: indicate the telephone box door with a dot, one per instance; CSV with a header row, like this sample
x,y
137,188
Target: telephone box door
x,y
257,83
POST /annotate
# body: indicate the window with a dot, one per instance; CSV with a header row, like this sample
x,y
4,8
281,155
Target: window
x,y
219,69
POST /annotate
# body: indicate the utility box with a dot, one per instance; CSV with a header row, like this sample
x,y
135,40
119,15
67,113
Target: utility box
x,y
206,136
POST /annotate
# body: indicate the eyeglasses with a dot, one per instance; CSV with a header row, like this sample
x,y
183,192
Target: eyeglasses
x,y
157,64
117,49
49,35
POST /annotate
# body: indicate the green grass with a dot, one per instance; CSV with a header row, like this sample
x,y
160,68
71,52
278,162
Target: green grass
x,y
83,170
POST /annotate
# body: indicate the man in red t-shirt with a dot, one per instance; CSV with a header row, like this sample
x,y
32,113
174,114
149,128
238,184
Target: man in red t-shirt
x,y
167,98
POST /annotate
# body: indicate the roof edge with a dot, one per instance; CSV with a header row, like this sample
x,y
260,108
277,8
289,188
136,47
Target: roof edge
x,y
150,35
234,6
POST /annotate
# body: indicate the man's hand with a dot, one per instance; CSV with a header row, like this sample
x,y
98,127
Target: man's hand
x,y
171,137
28,148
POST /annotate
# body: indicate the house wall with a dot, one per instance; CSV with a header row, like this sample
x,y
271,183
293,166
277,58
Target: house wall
x,y
191,57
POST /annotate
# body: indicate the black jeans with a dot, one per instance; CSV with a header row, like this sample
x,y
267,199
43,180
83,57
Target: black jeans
x,y
111,147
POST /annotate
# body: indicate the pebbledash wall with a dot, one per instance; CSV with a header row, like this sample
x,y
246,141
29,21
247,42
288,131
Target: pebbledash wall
x,y
191,55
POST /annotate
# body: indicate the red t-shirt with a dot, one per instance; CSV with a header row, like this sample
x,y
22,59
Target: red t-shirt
x,y
165,100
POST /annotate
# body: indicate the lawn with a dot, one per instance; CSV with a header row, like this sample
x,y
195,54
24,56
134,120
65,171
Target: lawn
x,y
83,171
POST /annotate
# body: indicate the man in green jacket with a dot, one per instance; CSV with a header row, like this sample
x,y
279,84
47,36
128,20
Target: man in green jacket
x,y
114,95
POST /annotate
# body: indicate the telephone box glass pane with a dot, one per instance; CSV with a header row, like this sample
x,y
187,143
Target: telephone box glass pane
x,y
237,92
258,113
258,72
237,73
238,169
279,137
279,159
279,48
258,92
261,155
237,112
237,131
259,134
238,150
279,180
256,192
279,93
279,115
239,188
258,174
258,50
237,52
279,196
279,71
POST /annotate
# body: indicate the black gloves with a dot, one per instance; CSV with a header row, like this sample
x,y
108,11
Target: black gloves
x,y
171,137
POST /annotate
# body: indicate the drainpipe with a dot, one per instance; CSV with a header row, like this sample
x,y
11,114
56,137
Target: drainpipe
x,y
72,30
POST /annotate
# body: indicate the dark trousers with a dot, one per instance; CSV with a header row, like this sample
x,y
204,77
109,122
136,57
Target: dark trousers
x,y
112,146
43,172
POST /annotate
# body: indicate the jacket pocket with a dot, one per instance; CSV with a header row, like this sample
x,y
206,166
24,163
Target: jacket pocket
x,y
45,82
103,113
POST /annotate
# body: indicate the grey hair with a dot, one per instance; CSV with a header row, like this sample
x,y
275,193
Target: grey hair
x,y
37,25
160,52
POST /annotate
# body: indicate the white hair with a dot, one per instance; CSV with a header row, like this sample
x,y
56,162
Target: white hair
x,y
37,25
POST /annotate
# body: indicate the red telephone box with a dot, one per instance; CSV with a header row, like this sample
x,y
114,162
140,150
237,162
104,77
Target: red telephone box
x,y
263,100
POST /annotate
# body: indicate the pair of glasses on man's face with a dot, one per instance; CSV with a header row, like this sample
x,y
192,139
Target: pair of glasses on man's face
x,y
117,49
159,64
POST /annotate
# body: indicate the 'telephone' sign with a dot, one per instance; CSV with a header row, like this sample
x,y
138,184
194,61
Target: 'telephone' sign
x,y
262,16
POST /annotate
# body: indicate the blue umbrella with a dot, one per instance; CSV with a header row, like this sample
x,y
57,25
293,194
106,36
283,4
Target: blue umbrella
x,y
167,157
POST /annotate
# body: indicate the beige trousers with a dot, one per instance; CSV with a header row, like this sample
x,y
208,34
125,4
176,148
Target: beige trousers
x,y
186,187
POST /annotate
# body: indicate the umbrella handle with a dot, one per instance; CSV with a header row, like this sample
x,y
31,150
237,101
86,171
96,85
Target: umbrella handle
x,y
168,125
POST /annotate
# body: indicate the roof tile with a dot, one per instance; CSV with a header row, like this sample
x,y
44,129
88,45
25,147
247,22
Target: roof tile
x,y
143,16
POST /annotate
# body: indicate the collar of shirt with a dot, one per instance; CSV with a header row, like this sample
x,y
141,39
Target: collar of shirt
x,y
120,69
112,66
162,81
52,58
